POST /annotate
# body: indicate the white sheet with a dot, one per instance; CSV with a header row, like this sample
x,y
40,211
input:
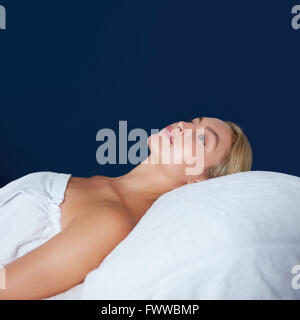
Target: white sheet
x,y
232,237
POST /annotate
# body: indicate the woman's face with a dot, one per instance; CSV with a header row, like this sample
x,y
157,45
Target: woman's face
x,y
199,143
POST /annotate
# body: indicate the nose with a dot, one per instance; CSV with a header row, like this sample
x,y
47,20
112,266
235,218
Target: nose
x,y
180,126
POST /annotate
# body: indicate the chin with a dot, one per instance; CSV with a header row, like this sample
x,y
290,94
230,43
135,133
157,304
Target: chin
x,y
149,142
153,141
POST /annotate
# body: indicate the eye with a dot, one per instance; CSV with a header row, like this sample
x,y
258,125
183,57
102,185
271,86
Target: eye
x,y
202,138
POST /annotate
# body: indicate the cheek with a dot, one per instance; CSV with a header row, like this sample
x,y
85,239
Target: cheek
x,y
190,150
185,145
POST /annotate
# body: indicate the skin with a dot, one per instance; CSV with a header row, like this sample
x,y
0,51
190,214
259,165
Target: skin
x,y
97,213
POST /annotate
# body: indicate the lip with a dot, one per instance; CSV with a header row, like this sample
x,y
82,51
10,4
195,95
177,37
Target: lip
x,y
167,132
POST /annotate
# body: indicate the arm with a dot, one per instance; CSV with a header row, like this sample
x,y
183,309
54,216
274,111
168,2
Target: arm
x,y
66,259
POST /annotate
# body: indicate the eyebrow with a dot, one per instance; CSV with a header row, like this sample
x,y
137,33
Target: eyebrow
x,y
212,131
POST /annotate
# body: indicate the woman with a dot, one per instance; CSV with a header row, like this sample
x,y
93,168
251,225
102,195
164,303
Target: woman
x,y
92,215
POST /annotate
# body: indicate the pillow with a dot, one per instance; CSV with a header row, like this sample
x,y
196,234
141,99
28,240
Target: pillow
x,y
231,237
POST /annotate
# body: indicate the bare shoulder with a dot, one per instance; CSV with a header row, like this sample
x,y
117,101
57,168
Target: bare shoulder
x,y
66,259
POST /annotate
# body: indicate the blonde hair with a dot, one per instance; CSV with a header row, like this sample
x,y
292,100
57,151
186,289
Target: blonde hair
x,y
238,159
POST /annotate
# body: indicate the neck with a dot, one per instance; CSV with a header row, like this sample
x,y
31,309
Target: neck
x,y
142,186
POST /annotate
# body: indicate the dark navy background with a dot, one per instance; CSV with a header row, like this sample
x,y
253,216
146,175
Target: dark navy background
x,y
71,68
